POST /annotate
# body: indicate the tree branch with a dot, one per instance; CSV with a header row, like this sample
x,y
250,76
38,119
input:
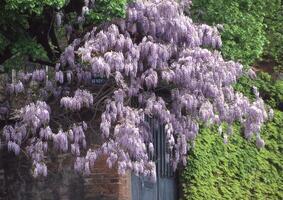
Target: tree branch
x,y
39,28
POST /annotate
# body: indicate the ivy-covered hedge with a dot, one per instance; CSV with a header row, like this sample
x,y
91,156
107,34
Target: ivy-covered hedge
x,y
274,33
270,90
237,170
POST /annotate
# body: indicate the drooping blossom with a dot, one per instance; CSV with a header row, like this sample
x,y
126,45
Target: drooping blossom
x,y
82,98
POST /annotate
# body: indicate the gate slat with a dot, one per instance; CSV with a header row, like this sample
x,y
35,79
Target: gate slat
x,y
165,187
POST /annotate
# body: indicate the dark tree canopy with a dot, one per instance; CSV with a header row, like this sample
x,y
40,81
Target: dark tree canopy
x,y
30,32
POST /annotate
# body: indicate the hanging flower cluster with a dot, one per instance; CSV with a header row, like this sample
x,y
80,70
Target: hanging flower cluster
x,y
37,147
158,56
38,75
13,137
15,88
81,99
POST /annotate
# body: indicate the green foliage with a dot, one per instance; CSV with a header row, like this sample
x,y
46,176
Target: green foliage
x,y
30,47
243,36
22,50
12,23
270,90
237,170
32,6
274,22
252,28
14,34
105,10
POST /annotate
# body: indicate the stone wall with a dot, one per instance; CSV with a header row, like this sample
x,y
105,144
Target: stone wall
x,y
16,182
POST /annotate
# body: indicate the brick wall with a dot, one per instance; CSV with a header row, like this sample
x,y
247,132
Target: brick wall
x,y
105,183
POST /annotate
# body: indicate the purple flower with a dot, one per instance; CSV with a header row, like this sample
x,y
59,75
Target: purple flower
x,y
259,142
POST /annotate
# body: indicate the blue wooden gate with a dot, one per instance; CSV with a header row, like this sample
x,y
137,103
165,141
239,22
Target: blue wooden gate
x,y
165,186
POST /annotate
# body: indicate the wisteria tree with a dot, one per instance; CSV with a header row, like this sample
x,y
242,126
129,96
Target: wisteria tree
x,y
155,63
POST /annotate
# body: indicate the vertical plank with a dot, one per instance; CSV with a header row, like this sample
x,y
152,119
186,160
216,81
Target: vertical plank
x,y
149,189
136,187
164,150
13,76
46,72
167,188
